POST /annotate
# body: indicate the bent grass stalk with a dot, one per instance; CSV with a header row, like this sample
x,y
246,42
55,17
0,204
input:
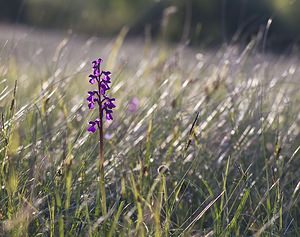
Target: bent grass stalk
x,y
105,105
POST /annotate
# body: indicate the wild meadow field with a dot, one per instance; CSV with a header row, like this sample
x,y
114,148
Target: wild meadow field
x,y
203,142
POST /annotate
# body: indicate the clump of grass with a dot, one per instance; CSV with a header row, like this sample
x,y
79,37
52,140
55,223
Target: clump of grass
x,y
210,149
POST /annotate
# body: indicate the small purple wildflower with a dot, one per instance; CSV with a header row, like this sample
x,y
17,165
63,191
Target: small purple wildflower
x,y
92,99
106,76
133,105
99,96
93,125
108,136
93,79
108,102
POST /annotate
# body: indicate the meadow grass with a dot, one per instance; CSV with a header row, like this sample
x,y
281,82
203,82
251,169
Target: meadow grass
x,y
211,150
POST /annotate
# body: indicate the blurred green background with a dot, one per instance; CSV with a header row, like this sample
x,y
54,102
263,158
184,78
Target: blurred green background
x,y
206,22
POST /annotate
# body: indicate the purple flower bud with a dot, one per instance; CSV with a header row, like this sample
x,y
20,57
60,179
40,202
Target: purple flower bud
x,y
92,127
106,77
93,79
96,63
91,99
96,67
91,105
91,96
106,73
96,72
103,88
108,102
109,115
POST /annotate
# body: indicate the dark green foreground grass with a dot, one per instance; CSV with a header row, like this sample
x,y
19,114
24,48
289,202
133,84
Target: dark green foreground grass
x,y
213,149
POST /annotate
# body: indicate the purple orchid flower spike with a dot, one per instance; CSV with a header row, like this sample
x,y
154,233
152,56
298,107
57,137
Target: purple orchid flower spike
x,y
99,97
105,105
